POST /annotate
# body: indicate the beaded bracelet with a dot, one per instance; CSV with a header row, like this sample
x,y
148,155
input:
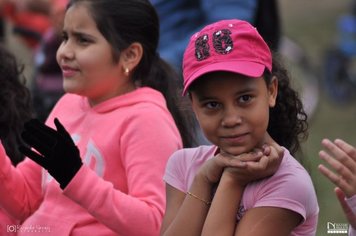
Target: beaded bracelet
x,y
200,199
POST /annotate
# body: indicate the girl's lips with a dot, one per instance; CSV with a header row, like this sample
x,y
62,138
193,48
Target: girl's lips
x,y
68,71
236,139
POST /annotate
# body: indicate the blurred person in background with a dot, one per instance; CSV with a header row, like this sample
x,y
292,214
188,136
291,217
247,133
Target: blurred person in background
x,y
341,157
38,23
2,23
15,110
47,80
29,19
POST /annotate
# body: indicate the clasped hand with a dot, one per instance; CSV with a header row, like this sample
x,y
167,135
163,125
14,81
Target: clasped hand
x,y
246,167
53,149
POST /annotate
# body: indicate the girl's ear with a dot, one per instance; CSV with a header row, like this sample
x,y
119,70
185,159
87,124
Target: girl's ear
x,y
273,91
131,56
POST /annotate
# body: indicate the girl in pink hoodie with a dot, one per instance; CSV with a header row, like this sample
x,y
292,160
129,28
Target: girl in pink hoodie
x,y
100,158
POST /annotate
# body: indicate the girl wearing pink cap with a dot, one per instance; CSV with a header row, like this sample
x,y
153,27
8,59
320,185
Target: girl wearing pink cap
x,y
341,157
242,100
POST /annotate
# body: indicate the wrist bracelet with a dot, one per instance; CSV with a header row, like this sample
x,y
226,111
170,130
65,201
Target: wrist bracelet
x,y
200,199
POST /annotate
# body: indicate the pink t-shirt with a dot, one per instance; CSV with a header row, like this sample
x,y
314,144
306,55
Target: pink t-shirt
x,y
290,187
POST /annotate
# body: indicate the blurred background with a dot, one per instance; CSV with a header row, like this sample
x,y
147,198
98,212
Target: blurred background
x,y
313,25
311,30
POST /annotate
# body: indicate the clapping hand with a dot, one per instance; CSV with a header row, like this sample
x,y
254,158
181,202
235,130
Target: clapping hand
x,y
54,150
341,157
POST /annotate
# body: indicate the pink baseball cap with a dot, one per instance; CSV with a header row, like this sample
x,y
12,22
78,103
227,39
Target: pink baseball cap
x,y
227,45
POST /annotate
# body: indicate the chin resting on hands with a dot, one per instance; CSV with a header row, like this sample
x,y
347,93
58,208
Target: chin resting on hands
x,y
254,165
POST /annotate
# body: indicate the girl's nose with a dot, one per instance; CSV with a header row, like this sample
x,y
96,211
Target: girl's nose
x,y
65,52
231,118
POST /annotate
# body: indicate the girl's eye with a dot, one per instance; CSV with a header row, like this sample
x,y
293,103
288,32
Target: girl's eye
x,y
64,37
245,98
83,40
212,105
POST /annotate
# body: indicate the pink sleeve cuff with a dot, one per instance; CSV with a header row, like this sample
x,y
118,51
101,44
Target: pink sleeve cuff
x,y
352,203
352,231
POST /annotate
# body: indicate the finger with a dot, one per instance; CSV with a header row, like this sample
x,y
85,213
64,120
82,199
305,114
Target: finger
x,y
328,174
40,131
36,125
341,197
61,129
274,160
273,150
338,153
263,163
236,164
34,156
259,165
280,151
33,141
224,160
266,149
347,148
350,215
336,179
251,156
339,167
276,155
240,160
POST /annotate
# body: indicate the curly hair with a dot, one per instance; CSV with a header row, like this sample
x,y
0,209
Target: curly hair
x,y
288,124
16,107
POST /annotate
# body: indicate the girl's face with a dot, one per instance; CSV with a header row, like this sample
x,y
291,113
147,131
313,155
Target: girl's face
x,y
233,110
86,59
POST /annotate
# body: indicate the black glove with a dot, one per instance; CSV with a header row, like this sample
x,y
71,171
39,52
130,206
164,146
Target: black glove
x,y
56,150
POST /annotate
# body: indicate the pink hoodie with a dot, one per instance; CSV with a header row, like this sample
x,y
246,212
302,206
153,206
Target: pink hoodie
x,y
124,143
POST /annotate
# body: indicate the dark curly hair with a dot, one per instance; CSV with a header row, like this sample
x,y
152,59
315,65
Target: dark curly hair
x,y
288,124
16,107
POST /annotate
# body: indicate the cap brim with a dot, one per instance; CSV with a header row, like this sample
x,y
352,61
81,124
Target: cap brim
x,y
247,68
